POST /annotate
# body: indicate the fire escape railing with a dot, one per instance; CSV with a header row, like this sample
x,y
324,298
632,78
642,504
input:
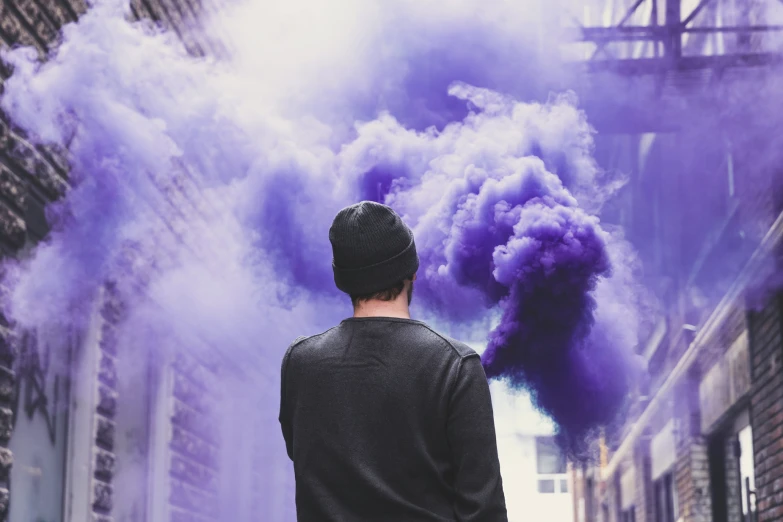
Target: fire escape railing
x,y
667,39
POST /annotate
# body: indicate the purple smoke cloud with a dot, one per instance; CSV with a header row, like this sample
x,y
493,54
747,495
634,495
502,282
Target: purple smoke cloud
x,y
229,174
497,230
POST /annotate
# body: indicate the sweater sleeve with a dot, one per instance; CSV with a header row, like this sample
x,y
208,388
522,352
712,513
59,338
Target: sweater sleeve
x,y
471,431
284,417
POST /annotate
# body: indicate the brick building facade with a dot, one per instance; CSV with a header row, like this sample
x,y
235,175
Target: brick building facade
x,y
706,444
703,438
76,433
766,406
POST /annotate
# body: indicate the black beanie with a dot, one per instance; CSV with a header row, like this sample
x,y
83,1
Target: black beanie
x,y
372,249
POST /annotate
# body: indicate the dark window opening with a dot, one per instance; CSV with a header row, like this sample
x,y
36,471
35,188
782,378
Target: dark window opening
x,y
549,458
546,486
718,477
665,500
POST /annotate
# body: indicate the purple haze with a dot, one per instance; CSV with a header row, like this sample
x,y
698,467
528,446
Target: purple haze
x,y
228,175
501,232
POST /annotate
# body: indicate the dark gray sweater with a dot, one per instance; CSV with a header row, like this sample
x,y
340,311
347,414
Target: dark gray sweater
x,y
386,420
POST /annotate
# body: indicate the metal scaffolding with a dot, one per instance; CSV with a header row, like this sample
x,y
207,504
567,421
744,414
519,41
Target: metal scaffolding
x,y
661,42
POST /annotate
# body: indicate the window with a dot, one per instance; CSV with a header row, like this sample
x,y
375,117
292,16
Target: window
x,y
747,474
549,459
551,466
548,485
665,500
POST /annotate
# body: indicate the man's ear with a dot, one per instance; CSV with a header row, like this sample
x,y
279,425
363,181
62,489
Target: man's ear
x,y
414,276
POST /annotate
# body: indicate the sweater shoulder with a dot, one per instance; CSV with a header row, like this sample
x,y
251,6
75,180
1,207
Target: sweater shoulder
x,y
302,343
299,340
458,348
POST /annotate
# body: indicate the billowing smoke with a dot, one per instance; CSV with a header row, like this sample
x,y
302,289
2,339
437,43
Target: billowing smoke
x,y
205,190
498,230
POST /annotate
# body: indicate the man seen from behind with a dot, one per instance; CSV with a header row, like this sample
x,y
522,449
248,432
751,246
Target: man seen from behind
x,y
384,418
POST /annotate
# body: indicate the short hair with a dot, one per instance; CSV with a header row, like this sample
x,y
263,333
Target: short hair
x,y
387,294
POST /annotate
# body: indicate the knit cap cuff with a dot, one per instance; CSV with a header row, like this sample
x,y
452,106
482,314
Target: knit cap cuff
x,y
380,276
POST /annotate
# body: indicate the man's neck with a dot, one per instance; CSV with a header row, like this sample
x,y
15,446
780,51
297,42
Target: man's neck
x,y
376,308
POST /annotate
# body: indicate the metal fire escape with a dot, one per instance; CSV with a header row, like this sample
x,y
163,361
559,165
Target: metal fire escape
x,y
674,42
664,51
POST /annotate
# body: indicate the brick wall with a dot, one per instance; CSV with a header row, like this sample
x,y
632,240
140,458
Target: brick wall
x,y
766,345
692,476
29,177
692,479
7,395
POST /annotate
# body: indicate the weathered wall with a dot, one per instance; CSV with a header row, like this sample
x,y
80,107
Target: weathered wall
x,y
30,177
766,341
40,425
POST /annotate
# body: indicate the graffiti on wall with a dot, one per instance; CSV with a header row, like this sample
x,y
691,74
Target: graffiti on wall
x,y
37,387
40,425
